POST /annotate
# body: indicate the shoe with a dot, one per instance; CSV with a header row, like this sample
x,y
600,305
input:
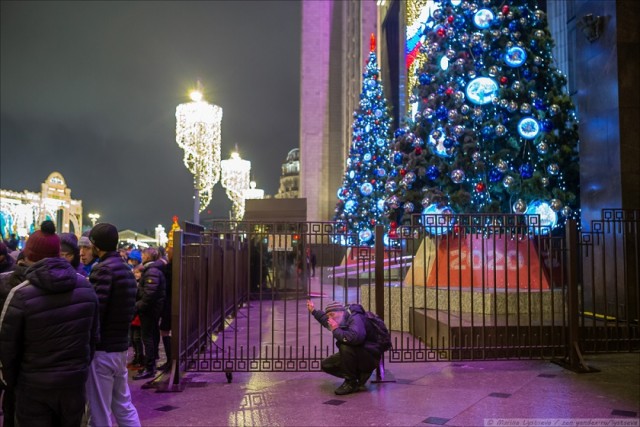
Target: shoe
x,y
362,380
144,375
347,387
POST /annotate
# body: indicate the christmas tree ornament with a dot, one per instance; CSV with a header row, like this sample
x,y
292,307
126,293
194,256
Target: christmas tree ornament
x,y
519,206
457,176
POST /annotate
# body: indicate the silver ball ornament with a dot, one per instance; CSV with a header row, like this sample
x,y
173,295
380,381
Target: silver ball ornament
x,y
476,156
519,206
542,147
408,207
567,211
525,108
502,166
500,130
457,176
508,181
556,205
544,181
553,169
554,110
426,202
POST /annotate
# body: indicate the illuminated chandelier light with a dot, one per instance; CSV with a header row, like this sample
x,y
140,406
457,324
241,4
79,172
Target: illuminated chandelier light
x,y
198,134
235,179
253,192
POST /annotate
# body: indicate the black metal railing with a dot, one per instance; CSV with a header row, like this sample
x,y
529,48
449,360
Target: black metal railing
x,y
450,287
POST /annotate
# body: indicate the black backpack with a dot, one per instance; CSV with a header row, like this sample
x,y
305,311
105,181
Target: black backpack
x,y
381,332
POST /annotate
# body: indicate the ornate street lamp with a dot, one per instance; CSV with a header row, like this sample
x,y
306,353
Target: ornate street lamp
x,y
198,134
94,217
235,179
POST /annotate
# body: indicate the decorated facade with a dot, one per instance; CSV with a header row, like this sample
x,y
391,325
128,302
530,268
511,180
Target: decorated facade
x,y
21,212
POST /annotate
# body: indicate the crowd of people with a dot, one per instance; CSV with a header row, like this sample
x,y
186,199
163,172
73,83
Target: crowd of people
x,y
70,308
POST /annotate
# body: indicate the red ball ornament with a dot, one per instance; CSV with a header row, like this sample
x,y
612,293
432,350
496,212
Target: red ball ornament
x,y
480,187
449,91
393,225
372,222
418,150
503,80
403,172
505,9
441,32
345,192
373,181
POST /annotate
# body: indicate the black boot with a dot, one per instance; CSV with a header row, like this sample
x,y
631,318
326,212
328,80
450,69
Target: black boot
x,y
347,387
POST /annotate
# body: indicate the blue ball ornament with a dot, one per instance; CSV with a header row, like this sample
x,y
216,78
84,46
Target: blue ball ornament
x,y
526,170
448,142
399,132
442,112
547,125
424,79
433,173
495,175
397,158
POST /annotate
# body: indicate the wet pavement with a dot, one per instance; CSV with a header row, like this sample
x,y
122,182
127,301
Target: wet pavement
x,y
469,393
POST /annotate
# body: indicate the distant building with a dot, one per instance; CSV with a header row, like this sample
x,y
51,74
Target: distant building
x,y
22,212
290,177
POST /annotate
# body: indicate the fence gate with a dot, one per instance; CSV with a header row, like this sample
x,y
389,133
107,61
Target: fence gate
x,y
463,287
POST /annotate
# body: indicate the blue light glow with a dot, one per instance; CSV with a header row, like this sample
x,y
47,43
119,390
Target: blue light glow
x,y
482,19
437,220
548,218
515,56
528,128
482,90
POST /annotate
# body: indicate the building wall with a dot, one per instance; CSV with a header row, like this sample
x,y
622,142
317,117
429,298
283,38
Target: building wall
x,y
335,44
605,73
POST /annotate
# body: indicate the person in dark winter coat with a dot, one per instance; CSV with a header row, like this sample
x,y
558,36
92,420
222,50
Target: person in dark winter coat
x,y
107,387
8,281
357,355
150,302
48,332
6,261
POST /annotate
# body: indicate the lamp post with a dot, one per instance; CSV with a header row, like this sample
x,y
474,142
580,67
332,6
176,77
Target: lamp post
x,y
198,134
235,179
94,218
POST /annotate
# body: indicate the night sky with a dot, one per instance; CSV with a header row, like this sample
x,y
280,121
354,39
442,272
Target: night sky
x,y
89,89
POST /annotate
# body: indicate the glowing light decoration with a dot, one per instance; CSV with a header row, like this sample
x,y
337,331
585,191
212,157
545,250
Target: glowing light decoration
x,y
482,90
548,218
444,63
515,56
252,192
482,18
198,134
235,179
528,128
437,220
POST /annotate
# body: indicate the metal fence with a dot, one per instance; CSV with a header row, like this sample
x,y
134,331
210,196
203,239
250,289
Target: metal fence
x,y
462,287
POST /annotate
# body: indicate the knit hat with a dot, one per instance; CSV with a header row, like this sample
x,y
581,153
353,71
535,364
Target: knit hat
x,y
135,255
44,243
104,236
334,306
84,242
68,242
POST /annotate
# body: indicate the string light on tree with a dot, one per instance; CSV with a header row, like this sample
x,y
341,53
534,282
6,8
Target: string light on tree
x,y
236,174
500,127
198,134
360,204
252,192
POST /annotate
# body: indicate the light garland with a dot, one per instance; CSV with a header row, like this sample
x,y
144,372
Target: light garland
x,y
235,179
198,134
253,192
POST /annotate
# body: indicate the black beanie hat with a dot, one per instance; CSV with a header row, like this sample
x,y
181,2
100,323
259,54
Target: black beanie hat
x,y
44,243
104,236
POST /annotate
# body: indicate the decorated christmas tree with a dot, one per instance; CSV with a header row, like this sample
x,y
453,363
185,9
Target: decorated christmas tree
x,y
361,197
494,130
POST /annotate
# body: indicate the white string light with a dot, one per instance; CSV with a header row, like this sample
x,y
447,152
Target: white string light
x,y
198,134
235,179
253,192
